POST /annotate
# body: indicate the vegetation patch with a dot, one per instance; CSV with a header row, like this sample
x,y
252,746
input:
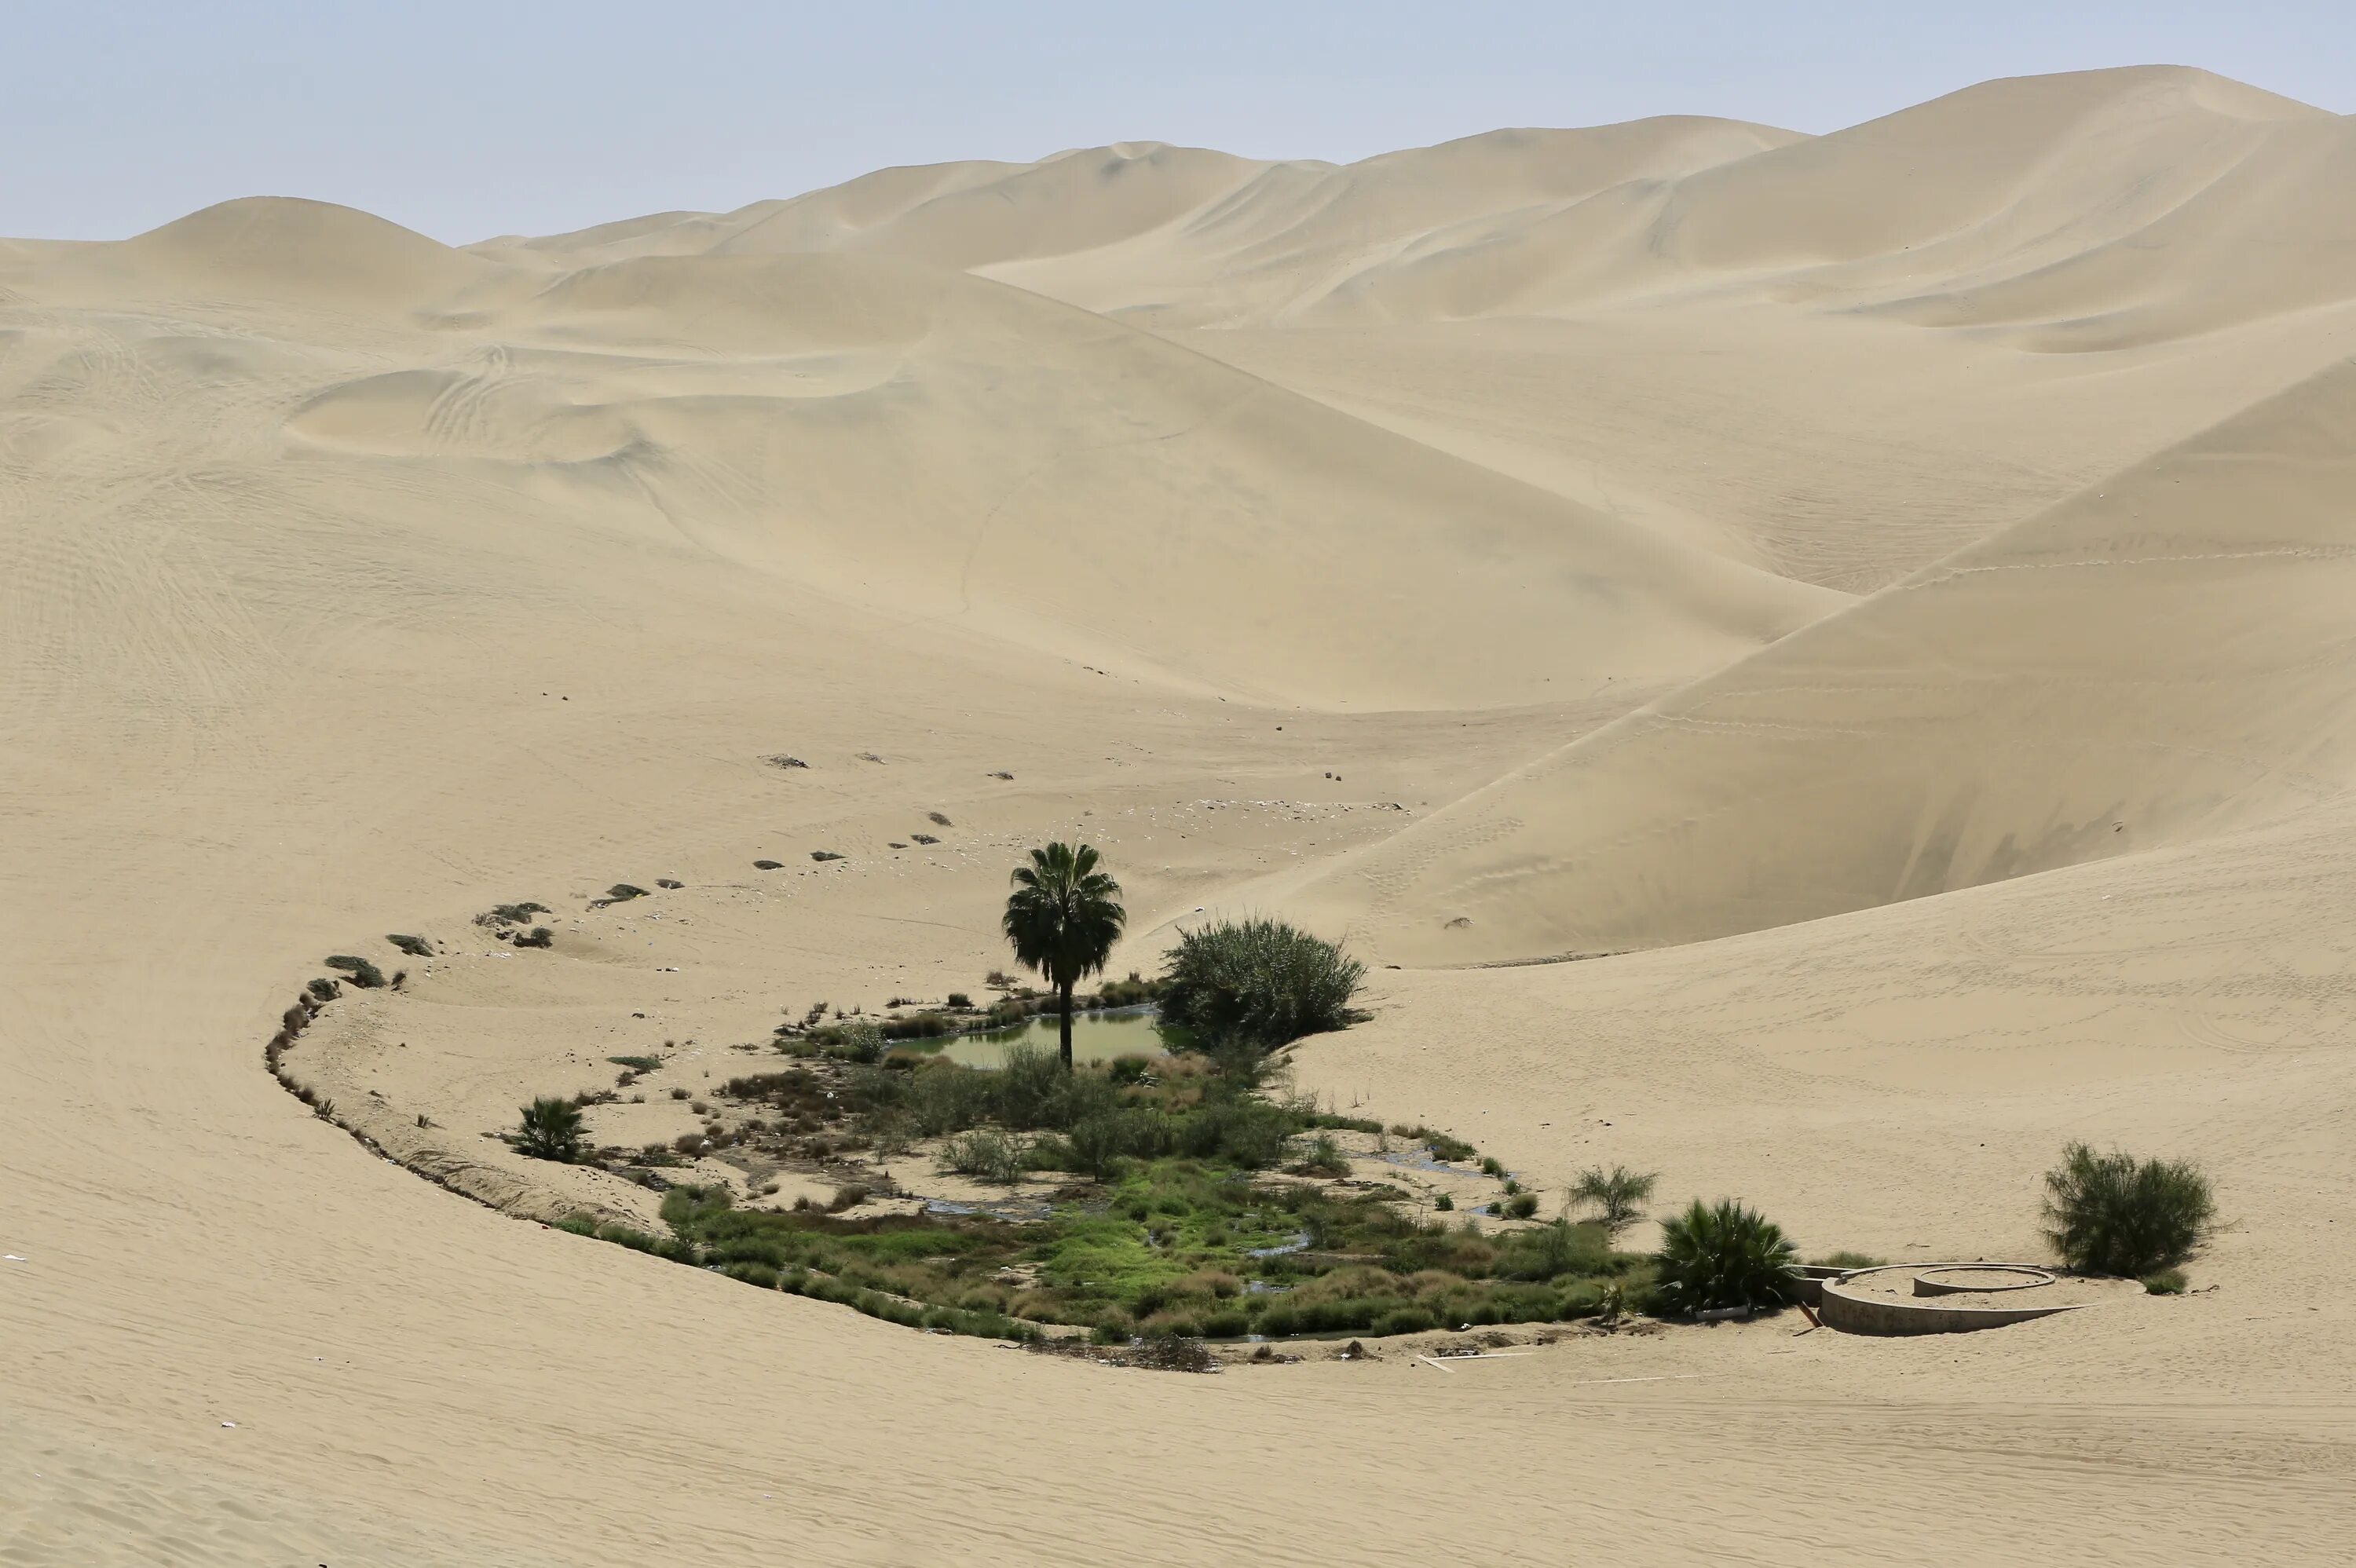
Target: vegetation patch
x,y
415,946
2113,1214
1725,1258
1262,981
358,971
1169,1224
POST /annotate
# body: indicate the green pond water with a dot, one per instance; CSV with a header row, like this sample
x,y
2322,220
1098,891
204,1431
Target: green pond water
x,y
1096,1037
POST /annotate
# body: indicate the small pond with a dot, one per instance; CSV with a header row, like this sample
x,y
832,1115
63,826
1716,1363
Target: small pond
x,y
1096,1037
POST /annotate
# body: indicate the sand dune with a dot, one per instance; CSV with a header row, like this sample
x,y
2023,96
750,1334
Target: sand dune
x,y
1896,579
2156,661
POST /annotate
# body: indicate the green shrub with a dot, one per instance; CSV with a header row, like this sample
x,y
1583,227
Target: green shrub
x,y
509,915
1130,1069
538,936
1111,1330
1490,1166
937,819
988,1154
1406,1320
1444,1148
1226,1324
2115,1214
1521,1206
2166,1282
550,1130
1100,1144
359,971
1618,1196
960,1000
1324,1158
861,1041
768,865
1725,1256
415,946
1443,1202
1032,1087
1250,1133
1261,981
636,1063
322,989
1846,1259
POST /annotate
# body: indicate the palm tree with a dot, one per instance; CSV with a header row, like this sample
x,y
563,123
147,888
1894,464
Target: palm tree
x,y
552,1130
1062,919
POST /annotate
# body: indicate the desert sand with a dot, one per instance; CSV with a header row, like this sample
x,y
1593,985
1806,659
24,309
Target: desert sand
x,y
1883,598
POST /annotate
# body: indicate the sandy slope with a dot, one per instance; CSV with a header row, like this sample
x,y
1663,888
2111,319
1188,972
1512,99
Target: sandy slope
x,y
2155,662
1678,533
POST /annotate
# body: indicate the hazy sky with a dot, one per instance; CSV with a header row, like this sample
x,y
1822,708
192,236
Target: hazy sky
x,y
468,120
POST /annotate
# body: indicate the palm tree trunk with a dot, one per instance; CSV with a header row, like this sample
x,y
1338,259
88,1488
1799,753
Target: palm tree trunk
x,y
1063,994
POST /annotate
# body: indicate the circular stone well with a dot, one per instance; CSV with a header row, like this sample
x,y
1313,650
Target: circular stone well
x,y
1961,1279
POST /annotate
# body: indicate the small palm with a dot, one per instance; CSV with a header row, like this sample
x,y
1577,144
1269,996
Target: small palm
x,y
552,1130
1062,919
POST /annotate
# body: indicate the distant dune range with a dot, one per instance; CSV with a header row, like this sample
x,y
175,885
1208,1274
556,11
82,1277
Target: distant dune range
x,y
1890,590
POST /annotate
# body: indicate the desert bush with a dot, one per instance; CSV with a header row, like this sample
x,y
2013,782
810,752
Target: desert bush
x,y
959,999
937,819
923,838
1618,1196
415,946
1490,1166
538,936
1445,1148
672,883
361,972
1521,1206
919,1026
688,1143
862,1042
823,854
1259,980
1128,993
850,1195
1323,1157
550,1130
1031,1086
636,1063
622,894
2113,1214
322,989
509,915
1097,1148
1443,1202
1249,1132
1723,1256
782,761
1846,1259
2166,1282
988,1154
768,865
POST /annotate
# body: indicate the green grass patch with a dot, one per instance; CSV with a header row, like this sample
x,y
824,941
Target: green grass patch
x,y
1176,1246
